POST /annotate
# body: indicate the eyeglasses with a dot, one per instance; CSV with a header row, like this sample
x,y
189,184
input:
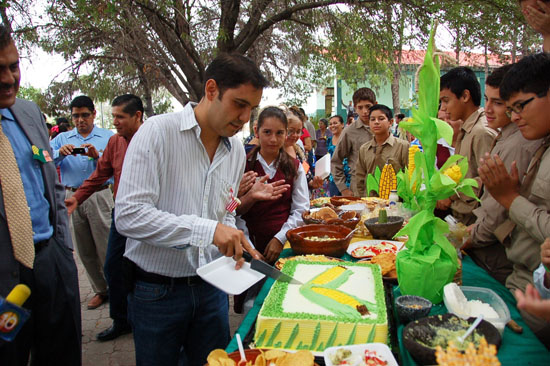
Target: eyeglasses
x,y
84,115
294,132
518,107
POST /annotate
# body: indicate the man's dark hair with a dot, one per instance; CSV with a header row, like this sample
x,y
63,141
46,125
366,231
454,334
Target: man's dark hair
x,y
462,78
339,118
363,94
230,70
381,107
495,79
400,116
60,120
5,37
130,103
530,75
82,101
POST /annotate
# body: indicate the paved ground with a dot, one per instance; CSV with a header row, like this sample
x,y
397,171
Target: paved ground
x,y
119,352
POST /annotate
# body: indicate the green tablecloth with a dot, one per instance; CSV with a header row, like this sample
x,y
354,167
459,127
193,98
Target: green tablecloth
x,y
516,349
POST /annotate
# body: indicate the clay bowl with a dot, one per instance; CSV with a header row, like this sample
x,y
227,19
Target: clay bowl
x,y
410,307
384,231
334,247
349,219
343,200
419,335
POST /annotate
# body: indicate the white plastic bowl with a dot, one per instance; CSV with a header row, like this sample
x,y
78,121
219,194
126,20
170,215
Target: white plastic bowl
x,y
487,296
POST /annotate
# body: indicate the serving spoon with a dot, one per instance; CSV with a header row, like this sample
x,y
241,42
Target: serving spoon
x,y
471,329
241,350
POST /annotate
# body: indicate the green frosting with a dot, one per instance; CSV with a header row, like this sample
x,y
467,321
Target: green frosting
x,y
315,335
273,335
292,336
273,307
260,340
372,333
351,339
332,337
321,348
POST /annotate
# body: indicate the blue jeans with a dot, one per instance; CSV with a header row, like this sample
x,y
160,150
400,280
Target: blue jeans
x,y
118,304
177,324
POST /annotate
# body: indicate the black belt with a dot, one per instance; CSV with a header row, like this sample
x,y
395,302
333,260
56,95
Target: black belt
x,y
74,189
142,275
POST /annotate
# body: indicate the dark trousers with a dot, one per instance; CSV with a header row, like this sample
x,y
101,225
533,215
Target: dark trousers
x,y
177,325
53,334
113,270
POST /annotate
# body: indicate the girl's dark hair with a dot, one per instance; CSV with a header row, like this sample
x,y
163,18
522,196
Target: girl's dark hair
x,y
284,161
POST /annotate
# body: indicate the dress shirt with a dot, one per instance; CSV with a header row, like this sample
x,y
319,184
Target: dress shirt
x,y
538,279
300,197
510,146
108,165
475,142
532,218
372,155
351,140
75,169
31,175
171,196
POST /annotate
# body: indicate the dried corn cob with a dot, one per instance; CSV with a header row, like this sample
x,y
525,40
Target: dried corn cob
x,y
485,355
388,181
453,172
413,149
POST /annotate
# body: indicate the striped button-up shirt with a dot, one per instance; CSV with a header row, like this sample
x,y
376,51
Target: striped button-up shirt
x,y
171,197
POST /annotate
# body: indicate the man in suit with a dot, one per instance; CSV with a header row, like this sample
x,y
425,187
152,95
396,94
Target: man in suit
x,y
35,247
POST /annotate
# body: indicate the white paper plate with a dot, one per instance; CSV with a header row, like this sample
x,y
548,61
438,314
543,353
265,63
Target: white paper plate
x,y
222,274
359,349
357,244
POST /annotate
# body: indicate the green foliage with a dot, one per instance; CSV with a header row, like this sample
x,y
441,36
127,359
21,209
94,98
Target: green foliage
x,y
373,182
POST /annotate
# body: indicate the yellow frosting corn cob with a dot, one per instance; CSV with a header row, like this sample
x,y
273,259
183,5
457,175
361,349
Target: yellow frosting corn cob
x,y
342,298
328,275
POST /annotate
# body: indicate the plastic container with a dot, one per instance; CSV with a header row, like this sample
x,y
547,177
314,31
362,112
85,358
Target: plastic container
x,y
487,296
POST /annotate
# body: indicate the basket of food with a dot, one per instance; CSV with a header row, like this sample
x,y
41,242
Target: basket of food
x,y
328,216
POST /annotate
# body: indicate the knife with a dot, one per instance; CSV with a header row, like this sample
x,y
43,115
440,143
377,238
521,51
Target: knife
x,y
268,270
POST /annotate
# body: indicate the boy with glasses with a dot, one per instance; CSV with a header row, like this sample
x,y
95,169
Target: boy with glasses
x,y
486,250
525,89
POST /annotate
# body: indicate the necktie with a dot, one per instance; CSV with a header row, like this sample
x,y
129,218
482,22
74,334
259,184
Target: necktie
x,y
503,231
15,204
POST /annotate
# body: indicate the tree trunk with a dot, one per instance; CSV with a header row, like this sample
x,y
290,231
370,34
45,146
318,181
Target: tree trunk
x,y
486,57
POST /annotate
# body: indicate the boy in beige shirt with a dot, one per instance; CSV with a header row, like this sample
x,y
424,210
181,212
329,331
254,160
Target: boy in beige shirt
x,y
383,148
353,137
525,88
486,250
460,98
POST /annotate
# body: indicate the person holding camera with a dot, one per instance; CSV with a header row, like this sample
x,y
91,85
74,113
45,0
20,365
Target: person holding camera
x,y
76,153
